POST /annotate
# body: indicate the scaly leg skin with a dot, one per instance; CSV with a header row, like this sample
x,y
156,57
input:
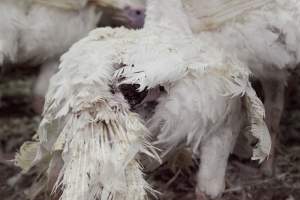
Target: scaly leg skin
x,y
48,69
1,67
214,157
274,103
8,44
2,56
1,59
55,166
200,196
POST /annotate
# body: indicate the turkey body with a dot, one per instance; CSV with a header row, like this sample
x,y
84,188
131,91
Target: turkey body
x,y
264,35
207,91
38,32
208,101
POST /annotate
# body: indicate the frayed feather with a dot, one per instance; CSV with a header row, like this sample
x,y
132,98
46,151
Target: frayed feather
x,y
26,155
258,127
101,144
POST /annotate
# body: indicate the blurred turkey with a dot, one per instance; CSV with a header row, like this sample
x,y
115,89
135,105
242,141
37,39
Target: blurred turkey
x,y
38,32
265,35
91,140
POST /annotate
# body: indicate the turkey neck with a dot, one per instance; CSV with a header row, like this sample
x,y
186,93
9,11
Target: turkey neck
x,y
167,15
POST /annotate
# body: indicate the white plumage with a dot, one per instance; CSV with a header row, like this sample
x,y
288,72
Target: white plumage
x,y
34,40
96,121
88,123
265,36
90,128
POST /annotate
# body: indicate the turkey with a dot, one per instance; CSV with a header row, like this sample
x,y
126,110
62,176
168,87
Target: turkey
x,y
199,109
38,32
265,36
91,140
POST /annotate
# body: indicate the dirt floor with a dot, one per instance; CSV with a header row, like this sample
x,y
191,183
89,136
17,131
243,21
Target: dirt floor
x,y
18,123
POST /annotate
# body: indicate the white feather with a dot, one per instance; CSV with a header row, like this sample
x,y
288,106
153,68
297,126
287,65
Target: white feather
x,y
98,136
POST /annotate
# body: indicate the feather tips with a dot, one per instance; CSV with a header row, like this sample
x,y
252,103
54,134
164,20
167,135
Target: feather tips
x,y
26,155
258,127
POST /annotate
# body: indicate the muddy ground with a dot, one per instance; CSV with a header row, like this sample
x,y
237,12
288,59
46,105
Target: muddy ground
x,y
18,123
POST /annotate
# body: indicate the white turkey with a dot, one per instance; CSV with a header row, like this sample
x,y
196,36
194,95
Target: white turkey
x,y
94,141
265,36
38,32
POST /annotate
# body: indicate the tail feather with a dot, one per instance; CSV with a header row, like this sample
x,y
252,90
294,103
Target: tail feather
x,y
100,154
99,147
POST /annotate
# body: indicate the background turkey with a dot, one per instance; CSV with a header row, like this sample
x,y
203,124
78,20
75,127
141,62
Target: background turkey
x,y
26,40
